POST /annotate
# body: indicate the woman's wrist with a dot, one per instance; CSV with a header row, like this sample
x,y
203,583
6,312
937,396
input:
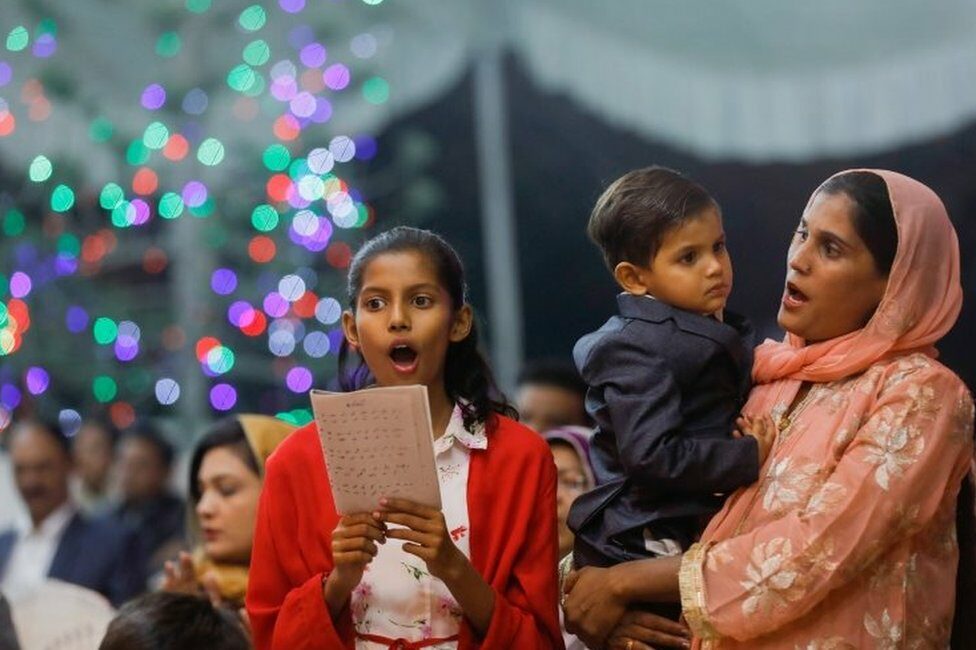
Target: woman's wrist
x,y
335,593
651,580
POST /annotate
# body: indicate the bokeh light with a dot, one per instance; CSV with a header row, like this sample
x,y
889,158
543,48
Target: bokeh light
x,y
167,391
299,379
223,397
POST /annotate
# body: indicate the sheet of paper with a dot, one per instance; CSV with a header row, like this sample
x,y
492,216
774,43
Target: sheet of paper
x,y
377,442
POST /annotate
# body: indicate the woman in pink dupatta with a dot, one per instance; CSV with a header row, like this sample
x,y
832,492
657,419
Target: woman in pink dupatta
x,y
848,540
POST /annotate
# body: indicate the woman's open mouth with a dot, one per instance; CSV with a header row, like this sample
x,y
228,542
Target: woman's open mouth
x,y
404,358
793,297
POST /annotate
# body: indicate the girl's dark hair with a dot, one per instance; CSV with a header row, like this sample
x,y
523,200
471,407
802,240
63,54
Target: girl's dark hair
x,y
227,432
874,218
467,375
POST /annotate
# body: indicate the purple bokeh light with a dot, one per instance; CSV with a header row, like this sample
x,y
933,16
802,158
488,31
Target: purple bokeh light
x,y
223,282
299,379
37,380
76,319
153,97
223,397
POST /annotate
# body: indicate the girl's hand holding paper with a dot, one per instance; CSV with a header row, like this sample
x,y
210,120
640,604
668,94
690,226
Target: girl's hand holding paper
x,y
354,543
425,535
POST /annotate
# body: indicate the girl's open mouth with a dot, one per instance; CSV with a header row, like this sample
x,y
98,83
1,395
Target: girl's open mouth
x,y
404,358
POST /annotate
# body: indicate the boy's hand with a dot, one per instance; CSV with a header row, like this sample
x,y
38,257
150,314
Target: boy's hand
x,y
762,428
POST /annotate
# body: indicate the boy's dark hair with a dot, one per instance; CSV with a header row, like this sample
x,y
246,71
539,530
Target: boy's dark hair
x,y
168,621
467,376
632,216
148,432
552,372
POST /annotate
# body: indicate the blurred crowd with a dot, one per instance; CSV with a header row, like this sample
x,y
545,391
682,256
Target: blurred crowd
x,y
135,544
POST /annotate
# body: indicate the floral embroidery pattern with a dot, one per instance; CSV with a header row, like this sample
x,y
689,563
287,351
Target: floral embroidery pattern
x,y
458,533
769,581
359,604
892,448
417,573
887,632
786,484
829,496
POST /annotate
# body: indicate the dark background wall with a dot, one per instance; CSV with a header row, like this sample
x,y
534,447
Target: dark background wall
x,y
563,157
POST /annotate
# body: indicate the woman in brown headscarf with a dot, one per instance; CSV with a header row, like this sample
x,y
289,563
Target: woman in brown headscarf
x,y
226,473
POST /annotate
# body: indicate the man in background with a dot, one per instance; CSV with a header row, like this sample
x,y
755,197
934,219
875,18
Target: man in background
x,y
54,540
551,394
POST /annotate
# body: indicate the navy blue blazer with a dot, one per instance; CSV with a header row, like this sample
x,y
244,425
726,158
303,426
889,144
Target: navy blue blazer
x,y
665,388
98,554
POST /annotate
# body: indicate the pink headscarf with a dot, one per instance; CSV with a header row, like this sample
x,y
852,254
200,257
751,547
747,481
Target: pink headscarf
x,y
920,304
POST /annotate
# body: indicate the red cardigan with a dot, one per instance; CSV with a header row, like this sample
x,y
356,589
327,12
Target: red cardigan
x,y
512,514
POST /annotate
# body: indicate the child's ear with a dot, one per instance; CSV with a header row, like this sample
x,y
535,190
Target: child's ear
x,y
349,328
630,277
463,321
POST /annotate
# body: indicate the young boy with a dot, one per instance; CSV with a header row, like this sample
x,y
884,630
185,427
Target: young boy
x,y
667,376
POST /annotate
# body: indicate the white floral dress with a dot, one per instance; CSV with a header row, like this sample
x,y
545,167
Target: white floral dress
x,y
398,598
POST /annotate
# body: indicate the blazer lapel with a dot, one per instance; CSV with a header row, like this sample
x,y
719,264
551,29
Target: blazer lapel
x,y
7,541
655,311
69,549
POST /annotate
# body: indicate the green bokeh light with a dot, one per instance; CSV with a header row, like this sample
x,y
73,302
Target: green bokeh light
x,y
197,6
18,38
276,157
168,45
241,77
123,215
298,169
220,359
40,169
155,136
205,209
253,18
101,130
47,26
257,52
297,417
104,388
264,218
137,153
111,196
376,90
62,198
211,152
105,330
170,205
13,224
68,243
257,88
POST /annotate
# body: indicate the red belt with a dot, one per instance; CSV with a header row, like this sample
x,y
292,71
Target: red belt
x,y
403,644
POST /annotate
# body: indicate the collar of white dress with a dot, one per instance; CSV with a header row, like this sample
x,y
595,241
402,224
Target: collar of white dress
x,y
456,432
